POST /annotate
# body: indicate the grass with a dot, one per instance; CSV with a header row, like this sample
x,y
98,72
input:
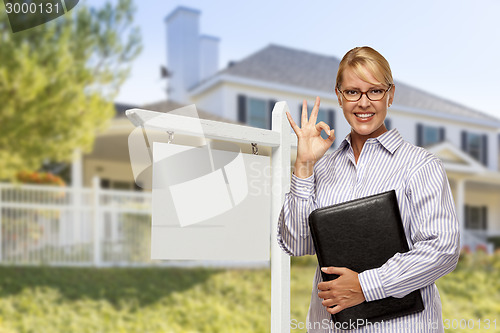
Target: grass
x,y
43,299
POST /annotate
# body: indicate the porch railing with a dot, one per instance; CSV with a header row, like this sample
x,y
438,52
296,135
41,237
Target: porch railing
x,y
67,226
475,239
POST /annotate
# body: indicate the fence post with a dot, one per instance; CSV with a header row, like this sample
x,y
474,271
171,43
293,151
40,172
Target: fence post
x,y
75,222
96,221
280,262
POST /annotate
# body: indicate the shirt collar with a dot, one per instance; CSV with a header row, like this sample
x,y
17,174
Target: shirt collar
x,y
390,140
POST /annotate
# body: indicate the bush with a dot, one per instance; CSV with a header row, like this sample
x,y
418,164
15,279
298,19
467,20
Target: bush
x,y
42,178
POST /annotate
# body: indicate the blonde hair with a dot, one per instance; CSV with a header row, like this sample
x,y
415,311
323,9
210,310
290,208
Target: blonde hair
x,y
365,57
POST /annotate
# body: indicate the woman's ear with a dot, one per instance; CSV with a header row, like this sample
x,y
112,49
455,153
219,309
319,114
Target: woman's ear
x,y
391,95
339,96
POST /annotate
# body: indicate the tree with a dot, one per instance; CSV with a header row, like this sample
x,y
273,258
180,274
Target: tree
x,y
58,82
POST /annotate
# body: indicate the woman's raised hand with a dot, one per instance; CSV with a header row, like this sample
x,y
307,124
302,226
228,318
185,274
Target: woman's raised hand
x,y
311,146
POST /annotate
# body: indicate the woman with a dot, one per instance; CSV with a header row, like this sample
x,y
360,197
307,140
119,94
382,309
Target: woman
x,y
371,160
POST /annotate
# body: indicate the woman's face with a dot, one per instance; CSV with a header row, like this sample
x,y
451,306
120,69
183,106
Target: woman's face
x,y
366,117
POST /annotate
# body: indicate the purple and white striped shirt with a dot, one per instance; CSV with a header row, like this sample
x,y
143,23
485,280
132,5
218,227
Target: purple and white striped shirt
x,y
427,211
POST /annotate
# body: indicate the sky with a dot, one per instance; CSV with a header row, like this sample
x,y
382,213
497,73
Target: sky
x,y
448,48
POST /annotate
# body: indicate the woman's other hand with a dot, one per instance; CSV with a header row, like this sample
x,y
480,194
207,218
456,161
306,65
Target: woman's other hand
x,y
311,146
341,293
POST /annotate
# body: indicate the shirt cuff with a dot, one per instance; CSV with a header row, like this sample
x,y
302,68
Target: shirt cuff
x,y
302,187
371,285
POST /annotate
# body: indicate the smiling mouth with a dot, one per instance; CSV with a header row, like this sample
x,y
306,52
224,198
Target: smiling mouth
x,y
364,115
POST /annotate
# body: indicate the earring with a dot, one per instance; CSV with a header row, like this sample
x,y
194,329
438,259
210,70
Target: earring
x,y
390,104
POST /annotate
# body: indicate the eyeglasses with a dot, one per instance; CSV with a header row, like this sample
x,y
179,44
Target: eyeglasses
x,y
375,94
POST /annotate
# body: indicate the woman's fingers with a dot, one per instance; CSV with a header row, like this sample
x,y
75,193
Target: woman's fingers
x,y
293,124
331,137
315,110
304,113
322,125
308,127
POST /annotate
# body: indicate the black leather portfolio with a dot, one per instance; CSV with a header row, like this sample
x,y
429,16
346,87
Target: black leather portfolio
x,y
363,234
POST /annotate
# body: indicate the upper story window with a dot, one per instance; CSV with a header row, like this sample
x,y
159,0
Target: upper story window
x,y
255,112
473,145
476,145
429,135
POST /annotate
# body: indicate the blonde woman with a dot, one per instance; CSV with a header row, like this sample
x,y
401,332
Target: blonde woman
x,y
371,160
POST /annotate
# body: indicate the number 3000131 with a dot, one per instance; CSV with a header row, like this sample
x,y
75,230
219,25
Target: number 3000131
x,y
32,8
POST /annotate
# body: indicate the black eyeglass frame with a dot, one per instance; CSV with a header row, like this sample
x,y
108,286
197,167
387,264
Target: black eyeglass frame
x,y
366,93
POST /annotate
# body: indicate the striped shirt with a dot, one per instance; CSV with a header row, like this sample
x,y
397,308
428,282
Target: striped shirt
x,y
427,211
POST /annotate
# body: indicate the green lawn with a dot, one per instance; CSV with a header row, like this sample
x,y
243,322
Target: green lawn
x,y
43,299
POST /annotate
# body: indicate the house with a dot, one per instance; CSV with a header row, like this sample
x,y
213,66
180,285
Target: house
x,y
466,140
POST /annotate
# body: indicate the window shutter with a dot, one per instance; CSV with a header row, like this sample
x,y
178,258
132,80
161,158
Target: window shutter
x,y
331,123
331,118
300,115
420,134
242,108
270,110
441,134
464,140
484,216
484,152
388,124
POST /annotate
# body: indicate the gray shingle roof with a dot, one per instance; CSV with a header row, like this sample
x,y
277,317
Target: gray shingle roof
x,y
308,70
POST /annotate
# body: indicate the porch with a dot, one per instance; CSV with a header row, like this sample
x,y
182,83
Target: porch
x,y
476,191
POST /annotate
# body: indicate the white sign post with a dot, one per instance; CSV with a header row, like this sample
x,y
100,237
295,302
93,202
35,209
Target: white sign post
x,y
280,140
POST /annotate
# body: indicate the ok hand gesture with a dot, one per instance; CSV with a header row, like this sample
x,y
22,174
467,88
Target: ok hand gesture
x,y
311,146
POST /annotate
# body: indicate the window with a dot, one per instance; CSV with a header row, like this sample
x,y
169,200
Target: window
x,y
429,135
476,217
255,112
476,145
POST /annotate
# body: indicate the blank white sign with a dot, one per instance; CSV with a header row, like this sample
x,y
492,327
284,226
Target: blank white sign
x,y
210,204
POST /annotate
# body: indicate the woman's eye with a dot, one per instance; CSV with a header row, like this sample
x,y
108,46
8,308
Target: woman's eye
x,y
351,92
377,91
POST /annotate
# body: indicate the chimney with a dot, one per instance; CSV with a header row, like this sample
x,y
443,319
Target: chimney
x,y
209,56
190,56
183,51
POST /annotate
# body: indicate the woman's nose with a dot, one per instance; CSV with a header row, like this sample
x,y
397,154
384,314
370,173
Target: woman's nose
x,y
364,101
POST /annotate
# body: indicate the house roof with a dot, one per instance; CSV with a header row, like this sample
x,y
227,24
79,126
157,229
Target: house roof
x,y
283,65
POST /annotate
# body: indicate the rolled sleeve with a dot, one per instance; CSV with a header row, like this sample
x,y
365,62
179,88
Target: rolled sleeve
x,y
371,284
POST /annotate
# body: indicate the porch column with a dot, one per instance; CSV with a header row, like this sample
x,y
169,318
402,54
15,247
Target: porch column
x,y
77,170
76,191
460,205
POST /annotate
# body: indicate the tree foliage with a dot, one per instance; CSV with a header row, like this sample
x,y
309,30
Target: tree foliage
x,y
58,82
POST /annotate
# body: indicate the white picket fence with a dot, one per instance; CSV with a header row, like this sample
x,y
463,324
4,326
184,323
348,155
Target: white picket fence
x,y
66,226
